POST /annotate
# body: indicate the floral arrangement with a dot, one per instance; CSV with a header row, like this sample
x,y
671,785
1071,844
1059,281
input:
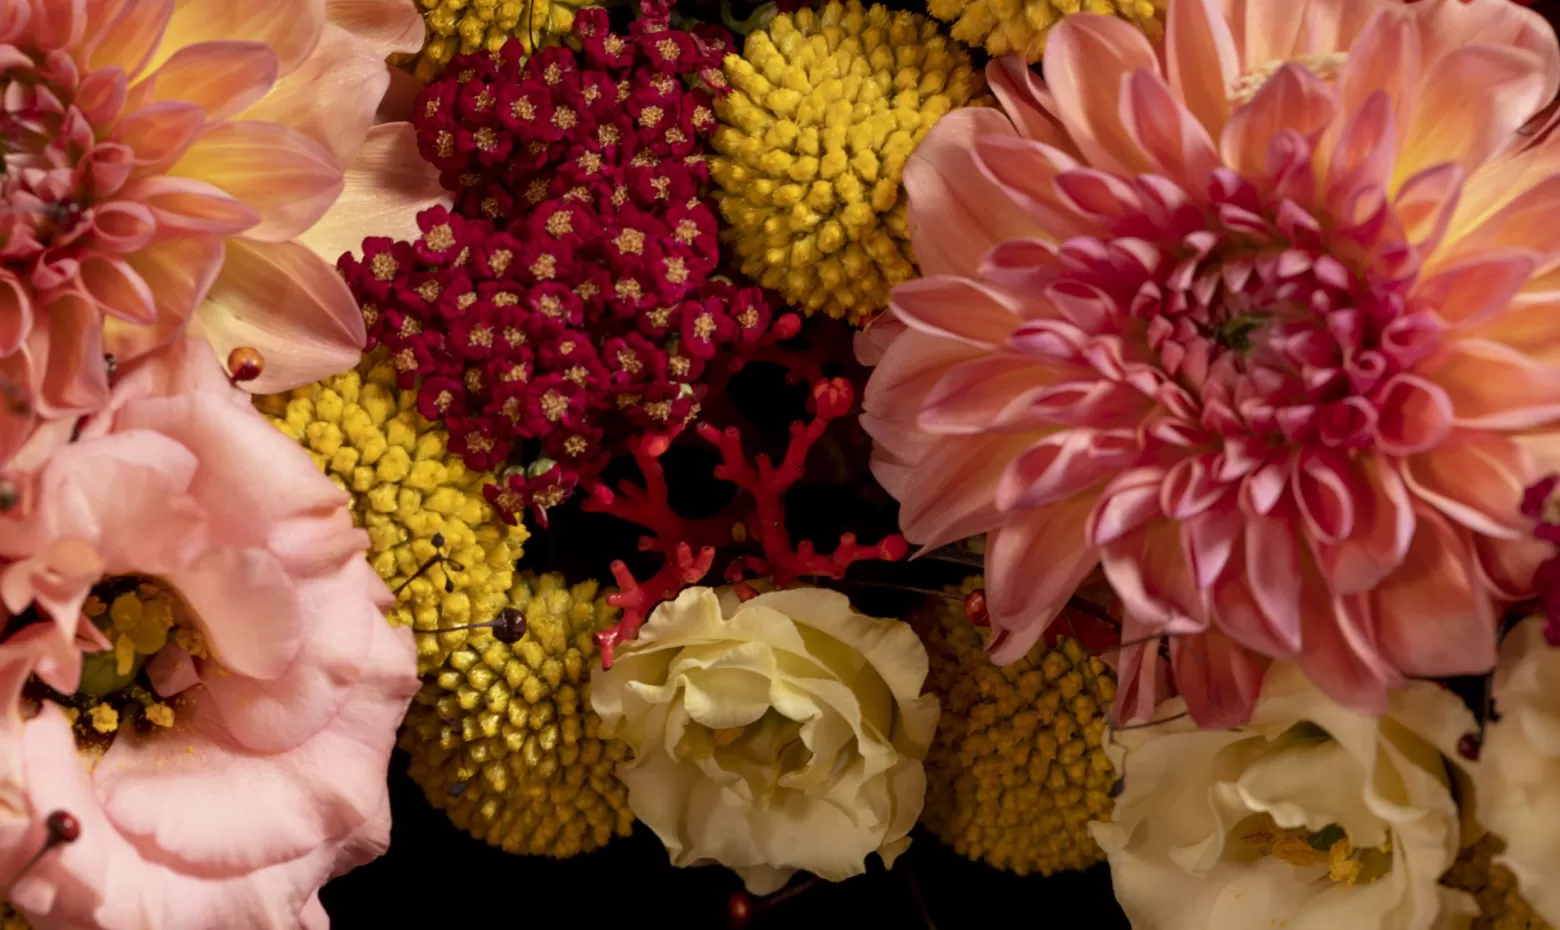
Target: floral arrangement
x,y
1096,435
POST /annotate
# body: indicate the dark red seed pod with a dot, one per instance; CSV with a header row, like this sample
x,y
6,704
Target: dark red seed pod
x,y
63,827
975,607
739,910
1470,746
245,363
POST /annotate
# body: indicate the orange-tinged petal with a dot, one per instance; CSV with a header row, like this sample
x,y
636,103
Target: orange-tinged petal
x,y
957,308
954,494
1340,654
1492,386
117,290
1201,60
384,189
1153,578
188,205
221,78
947,193
1525,222
1426,203
16,420
289,179
1477,482
137,28
283,300
1433,618
290,27
1530,326
1026,102
1385,56
1473,101
1471,292
69,334
1176,143
995,393
1445,25
1292,99
160,133
16,313
1086,57
390,26
1383,525
1024,172
1508,565
331,97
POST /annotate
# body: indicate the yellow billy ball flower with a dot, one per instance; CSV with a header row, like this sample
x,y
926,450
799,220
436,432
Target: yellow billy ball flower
x,y
10,920
502,736
433,537
1020,26
1501,905
1018,767
457,27
825,108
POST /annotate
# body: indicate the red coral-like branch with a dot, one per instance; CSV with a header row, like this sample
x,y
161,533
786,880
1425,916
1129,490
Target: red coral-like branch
x,y
761,509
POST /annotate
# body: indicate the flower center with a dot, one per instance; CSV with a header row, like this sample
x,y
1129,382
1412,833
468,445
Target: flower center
x,y
1246,86
1328,847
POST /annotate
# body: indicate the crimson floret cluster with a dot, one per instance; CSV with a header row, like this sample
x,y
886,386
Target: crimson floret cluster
x,y
569,301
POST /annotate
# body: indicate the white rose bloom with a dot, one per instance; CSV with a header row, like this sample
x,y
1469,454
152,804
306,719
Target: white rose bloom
x,y
1519,775
1311,817
779,734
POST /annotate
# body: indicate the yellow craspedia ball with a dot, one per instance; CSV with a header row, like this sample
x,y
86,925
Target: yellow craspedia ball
x,y
1021,26
825,108
433,537
459,27
1018,766
10,920
1501,905
503,737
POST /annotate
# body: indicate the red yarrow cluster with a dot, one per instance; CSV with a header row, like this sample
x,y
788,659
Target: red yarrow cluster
x,y
567,303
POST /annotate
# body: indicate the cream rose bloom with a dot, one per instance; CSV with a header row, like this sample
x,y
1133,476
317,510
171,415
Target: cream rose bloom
x,y
1519,777
777,734
1310,817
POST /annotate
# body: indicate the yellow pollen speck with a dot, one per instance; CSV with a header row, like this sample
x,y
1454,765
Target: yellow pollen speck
x,y
630,242
676,270
160,714
383,267
561,223
650,117
544,268
105,719
439,238
554,406
659,410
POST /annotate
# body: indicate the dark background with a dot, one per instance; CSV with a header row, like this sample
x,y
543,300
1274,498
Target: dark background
x,y
435,877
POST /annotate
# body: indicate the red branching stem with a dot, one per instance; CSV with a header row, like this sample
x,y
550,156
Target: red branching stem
x,y
637,600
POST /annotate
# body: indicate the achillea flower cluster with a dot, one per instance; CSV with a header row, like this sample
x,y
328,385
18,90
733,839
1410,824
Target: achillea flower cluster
x,y
1255,321
1019,27
433,537
503,737
1018,768
826,106
461,27
567,301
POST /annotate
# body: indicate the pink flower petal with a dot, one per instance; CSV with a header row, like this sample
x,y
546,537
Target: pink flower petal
x,y
952,493
220,77
1024,173
332,97
1177,145
1153,579
1472,102
283,300
191,206
1383,526
1414,415
384,189
1037,561
1385,56
290,179
1445,25
160,133
1219,679
1086,58
1025,100
138,27
290,27
1064,463
989,394
1201,60
1293,99
388,27
1491,386
1432,615
1341,657
956,308
1477,482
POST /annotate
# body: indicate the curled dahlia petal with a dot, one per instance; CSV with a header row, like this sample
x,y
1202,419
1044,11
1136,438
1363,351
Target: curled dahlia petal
x,y
157,153
1255,319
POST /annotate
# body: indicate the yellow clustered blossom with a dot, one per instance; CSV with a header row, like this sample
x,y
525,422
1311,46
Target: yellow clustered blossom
x,y
10,919
503,737
1346,863
1018,766
409,491
825,108
1021,26
459,27
1501,905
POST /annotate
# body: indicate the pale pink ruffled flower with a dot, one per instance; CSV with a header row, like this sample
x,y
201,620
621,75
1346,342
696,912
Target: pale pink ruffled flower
x,y
162,160
1261,321
271,778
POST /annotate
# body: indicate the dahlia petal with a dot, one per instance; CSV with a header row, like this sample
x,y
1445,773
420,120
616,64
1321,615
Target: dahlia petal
x,y
1177,144
953,495
122,227
1383,525
1219,679
291,28
1089,401
332,97
179,272
137,28
1026,102
1340,656
1385,56
1507,566
1190,487
75,380
1292,99
290,179
1433,617
1524,223
117,290
1201,60
1477,483
955,214
1272,554
1040,559
997,393
1144,676
160,133
1129,501
1026,172
1208,539
1426,203
1491,386
389,27
911,366
1414,415
1153,579
956,308
1473,101
1062,464
1361,162
387,185
283,300
221,78
1240,616
1325,488
191,206
1445,25
1086,58
15,313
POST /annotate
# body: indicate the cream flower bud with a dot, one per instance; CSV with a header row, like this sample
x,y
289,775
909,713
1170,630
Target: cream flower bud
x,y
772,735
1519,778
1310,817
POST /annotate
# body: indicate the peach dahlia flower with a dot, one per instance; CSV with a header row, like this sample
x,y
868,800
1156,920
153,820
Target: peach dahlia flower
x,y
1261,321
160,158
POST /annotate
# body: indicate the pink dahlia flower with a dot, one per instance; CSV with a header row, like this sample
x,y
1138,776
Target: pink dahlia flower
x,y
231,758
1260,321
161,158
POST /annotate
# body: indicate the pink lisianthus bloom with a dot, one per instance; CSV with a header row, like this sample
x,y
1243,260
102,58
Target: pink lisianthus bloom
x,y
260,770
163,161
1259,321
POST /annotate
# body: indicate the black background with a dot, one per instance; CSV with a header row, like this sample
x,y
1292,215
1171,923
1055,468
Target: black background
x,y
437,878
